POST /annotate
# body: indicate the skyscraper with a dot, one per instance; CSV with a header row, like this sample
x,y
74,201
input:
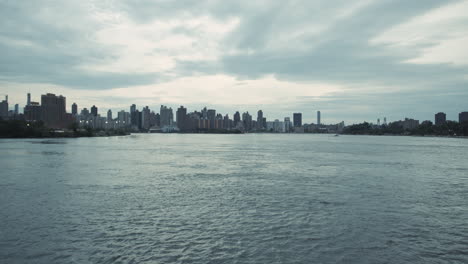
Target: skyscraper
x,y
4,108
236,118
260,124
211,114
166,115
287,124
16,109
440,119
297,119
247,120
74,109
32,112
318,118
94,111
28,102
181,118
109,115
53,110
146,118
463,117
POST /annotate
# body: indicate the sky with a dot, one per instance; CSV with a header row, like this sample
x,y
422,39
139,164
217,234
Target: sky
x,y
352,60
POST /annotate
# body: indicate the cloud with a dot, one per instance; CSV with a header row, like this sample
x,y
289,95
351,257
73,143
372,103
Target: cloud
x,y
341,56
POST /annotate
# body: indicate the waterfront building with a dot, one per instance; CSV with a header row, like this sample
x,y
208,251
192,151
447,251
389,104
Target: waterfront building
x,y
181,118
247,121
440,119
32,112
74,109
236,118
94,111
297,119
28,100
109,115
463,117
166,116
53,110
4,108
318,118
287,124
16,112
260,124
146,118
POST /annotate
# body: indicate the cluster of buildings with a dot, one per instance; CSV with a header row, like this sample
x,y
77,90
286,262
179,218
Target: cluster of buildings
x,y
52,111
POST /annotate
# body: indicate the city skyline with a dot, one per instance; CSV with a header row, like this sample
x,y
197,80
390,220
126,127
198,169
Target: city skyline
x,y
242,55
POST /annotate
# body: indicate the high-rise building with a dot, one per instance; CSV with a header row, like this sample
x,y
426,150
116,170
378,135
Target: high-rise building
x,y
74,109
181,118
463,117
287,125
260,124
53,110
28,102
94,111
167,116
4,108
146,118
32,112
247,121
318,118
85,113
236,118
211,114
297,119
109,115
440,119
16,109
385,121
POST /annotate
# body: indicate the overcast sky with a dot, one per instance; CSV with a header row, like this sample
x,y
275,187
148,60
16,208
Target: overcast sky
x,y
353,60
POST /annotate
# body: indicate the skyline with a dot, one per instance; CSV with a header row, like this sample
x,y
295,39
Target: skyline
x,y
408,60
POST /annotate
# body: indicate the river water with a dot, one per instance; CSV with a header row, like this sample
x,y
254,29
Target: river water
x,y
253,198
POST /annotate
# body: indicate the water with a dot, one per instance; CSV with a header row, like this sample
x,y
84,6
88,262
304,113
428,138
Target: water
x,y
234,199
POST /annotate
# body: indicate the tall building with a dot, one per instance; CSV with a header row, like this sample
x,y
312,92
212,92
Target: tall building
x,y
32,112
247,121
85,113
236,118
53,110
260,124
297,119
463,117
28,102
440,119
287,125
385,121
146,118
74,109
4,108
94,111
181,118
16,109
109,115
166,116
318,118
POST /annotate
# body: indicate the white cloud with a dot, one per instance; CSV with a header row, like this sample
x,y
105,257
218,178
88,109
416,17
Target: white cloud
x,y
439,36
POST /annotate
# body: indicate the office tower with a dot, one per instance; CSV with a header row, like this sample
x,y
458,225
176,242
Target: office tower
x,y
236,118
28,102
74,109
4,108
226,122
94,111
287,124
260,124
53,110
247,121
32,112
463,117
318,118
16,109
109,115
166,115
181,118
440,119
297,119
123,118
146,118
